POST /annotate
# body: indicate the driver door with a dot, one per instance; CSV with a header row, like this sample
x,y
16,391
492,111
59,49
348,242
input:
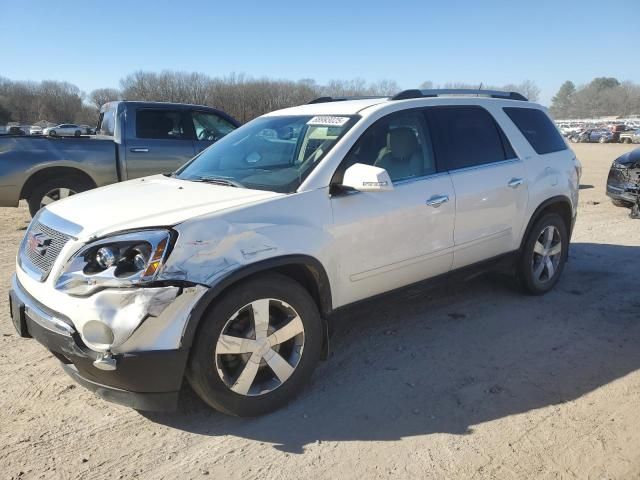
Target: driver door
x,y
208,128
386,240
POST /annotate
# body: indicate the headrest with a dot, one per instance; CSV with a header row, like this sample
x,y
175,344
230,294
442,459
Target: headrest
x,y
402,142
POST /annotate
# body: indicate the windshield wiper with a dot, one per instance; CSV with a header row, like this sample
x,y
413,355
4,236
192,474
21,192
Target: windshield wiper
x,y
227,182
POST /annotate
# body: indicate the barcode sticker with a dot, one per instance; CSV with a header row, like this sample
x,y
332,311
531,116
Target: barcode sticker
x,y
328,121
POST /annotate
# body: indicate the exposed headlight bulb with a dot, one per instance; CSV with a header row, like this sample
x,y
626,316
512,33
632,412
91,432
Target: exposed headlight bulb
x,y
139,262
105,257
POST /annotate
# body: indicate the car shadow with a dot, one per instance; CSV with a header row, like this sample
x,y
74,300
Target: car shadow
x,y
585,186
446,359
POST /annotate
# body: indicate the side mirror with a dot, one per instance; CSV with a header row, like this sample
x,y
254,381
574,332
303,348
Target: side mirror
x,y
367,178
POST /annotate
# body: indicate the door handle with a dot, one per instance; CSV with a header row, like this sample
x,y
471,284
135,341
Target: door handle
x,y
515,182
139,150
437,200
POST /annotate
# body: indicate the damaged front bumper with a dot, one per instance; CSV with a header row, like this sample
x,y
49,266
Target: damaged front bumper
x,y
144,379
623,183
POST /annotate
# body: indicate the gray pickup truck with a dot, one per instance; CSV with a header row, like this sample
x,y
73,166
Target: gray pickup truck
x,y
133,139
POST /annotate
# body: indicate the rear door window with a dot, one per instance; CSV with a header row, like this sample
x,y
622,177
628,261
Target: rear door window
x,y
467,136
537,128
162,124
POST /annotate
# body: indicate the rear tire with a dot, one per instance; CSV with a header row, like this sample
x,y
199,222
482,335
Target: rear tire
x,y
243,381
602,140
55,189
77,133
543,255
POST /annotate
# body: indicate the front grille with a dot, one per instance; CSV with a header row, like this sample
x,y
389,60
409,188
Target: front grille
x,y
40,248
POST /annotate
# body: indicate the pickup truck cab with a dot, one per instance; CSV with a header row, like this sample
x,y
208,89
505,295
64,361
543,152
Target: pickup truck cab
x,y
134,139
227,272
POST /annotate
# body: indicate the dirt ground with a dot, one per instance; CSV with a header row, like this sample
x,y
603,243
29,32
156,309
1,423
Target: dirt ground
x,y
466,381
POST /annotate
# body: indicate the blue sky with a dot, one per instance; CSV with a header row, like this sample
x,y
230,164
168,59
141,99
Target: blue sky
x,y
496,42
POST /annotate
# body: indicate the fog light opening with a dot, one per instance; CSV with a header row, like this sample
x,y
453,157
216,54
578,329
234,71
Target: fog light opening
x,y
97,335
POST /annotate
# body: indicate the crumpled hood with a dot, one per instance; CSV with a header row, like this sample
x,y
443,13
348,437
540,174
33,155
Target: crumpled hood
x,y
145,202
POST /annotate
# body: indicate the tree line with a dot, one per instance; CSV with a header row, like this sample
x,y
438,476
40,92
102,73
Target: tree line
x,y
241,96
603,96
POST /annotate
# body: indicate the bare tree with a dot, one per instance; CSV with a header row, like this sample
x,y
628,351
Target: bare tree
x,y
100,96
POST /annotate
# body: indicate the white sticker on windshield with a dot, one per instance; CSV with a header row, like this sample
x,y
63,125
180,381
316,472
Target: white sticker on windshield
x,y
328,121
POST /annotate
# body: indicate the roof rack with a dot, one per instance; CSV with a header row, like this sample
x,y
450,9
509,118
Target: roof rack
x,y
343,99
415,93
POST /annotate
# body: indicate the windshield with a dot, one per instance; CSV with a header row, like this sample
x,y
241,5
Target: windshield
x,y
269,153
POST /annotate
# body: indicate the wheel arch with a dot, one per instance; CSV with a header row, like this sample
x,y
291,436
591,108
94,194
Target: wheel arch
x,y
559,204
50,172
304,269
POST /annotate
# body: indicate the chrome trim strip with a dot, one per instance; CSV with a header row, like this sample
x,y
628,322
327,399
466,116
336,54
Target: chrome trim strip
x,y
55,222
429,176
486,165
39,316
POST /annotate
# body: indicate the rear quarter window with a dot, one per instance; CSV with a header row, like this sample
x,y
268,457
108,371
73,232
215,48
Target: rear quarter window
x,y
107,122
537,128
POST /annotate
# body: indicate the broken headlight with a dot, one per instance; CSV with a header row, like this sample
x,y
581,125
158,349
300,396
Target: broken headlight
x,y
124,260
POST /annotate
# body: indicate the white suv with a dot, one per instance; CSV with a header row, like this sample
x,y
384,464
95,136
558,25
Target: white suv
x,y
227,271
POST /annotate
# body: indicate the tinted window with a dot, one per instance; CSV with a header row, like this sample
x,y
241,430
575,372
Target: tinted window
x,y
399,143
467,137
537,129
161,124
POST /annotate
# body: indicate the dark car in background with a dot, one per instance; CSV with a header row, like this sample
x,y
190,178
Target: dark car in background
x,y
623,182
592,135
15,131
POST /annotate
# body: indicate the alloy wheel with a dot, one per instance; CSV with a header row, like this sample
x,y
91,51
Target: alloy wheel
x,y
547,253
259,347
56,194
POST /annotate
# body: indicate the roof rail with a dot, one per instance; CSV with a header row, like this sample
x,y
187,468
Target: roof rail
x,y
343,99
415,93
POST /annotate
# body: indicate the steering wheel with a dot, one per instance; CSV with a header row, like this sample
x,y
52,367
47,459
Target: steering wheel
x,y
206,134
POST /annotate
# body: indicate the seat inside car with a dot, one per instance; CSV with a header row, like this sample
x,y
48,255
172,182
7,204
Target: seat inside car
x,y
402,157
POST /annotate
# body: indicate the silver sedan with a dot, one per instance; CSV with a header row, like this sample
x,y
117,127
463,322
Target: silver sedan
x,y
63,130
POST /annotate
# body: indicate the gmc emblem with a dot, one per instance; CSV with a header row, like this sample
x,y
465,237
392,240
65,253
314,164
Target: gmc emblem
x,y
39,242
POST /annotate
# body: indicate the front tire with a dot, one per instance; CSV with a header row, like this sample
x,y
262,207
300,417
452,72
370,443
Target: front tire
x,y
543,255
52,133
256,347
